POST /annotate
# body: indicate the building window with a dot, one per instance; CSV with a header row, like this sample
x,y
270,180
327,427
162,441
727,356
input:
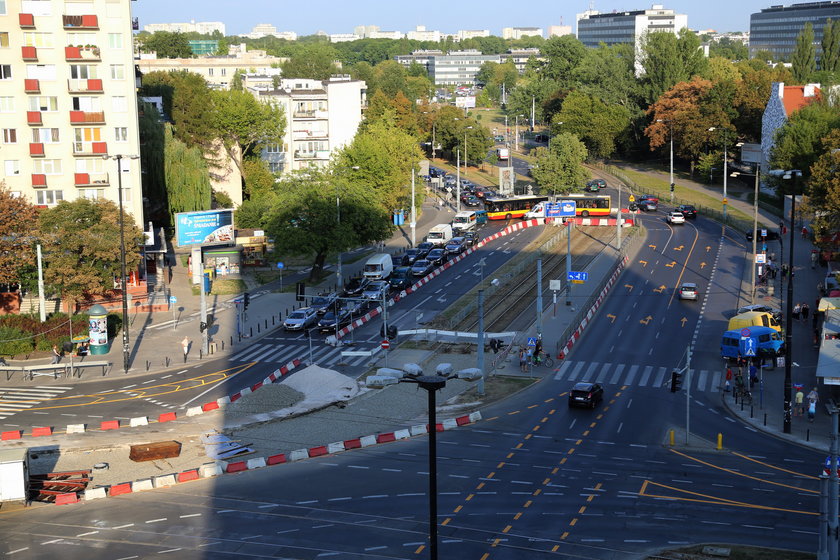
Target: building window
x,y
43,103
90,165
80,39
117,72
47,166
10,136
12,167
120,104
5,71
40,40
121,134
115,40
91,194
126,194
276,167
86,103
83,72
88,134
4,38
7,104
223,71
45,135
36,7
48,198
2,7
40,71
209,71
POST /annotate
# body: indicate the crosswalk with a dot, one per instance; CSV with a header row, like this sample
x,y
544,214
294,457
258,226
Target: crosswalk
x,y
636,375
322,354
19,399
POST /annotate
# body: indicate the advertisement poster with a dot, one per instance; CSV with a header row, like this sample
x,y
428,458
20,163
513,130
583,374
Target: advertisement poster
x,y
211,227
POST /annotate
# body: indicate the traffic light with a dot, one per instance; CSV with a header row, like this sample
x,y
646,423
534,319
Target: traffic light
x,y
202,326
676,381
246,299
672,187
300,291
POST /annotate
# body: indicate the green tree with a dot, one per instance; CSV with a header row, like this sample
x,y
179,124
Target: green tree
x,y
607,72
830,57
315,61
243,123
597,124
729,48
798,143
304,220
668,59
563,54
258,179
18,230
187,101
167,45
187,177
561,170
81,249
824,187
152,161
803,61
236,81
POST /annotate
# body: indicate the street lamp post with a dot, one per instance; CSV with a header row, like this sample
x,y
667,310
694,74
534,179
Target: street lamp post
x,y
458,187
795,174
671,135
754,230
725,171
123,279
516,131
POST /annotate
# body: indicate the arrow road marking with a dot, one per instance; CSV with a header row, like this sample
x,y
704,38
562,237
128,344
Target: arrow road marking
x,y
671,264
643,263
660,289
680,248
611,317
646,320
629,286
683,321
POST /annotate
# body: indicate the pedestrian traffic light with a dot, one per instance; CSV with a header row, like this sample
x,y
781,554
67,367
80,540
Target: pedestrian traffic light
x,y
202,326
676,381
246,299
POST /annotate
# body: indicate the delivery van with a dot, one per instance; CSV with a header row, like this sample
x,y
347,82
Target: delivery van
x,y
762,342
754,319
378,267
440,234
503,153
468,220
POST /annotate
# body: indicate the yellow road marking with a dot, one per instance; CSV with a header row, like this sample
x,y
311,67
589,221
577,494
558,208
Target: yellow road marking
x,y
710,499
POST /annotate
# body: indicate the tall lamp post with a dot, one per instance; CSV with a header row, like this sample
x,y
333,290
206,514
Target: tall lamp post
x,y
725,170
458,195
123,279
671,135
755,228
338,273
516,131
793,174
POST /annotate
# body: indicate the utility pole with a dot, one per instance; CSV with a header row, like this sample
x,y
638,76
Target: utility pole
x,y
687,393
832,485
755,232
533,107
413,223
618,222
458,173
789,321
539,298
569,226
480,360
42,310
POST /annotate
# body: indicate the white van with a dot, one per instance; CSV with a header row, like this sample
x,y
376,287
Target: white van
x,y
503,153
440,234
536,211
378,267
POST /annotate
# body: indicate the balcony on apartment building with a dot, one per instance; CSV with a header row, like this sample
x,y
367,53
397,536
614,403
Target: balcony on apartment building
x,y
320,154
33,118
39,180
36,149
311,114
29,54
75,85
87,117
27,21
82,52
90,179
307,134
80,22
31,86
83,149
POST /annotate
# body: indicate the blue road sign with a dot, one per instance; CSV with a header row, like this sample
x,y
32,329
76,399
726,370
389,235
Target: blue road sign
x,y
568,209
576,275
747,346
553,210
173,299
280,265
532,341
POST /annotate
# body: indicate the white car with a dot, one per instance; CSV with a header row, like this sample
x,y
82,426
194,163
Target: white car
x,y
301,319
676,218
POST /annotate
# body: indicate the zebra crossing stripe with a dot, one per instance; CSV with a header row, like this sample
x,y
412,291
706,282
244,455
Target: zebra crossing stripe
x,y
576,371
632,375
645,376
617,375
651,376
701,381
590,372
660,377
603,375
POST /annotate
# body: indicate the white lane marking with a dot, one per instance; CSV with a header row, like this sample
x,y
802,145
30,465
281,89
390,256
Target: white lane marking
x,y
189,515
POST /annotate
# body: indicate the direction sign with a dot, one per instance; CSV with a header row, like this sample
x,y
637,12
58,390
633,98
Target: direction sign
x,y
632,198
280,265
173,299
553,210
385,344
577,276
760,258
747,346
827,466
763,233
568,209
532,341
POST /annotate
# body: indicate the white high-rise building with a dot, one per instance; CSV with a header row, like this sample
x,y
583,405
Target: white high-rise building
x,y
420,33
519,32
265,29
203,27
472,33
67,100
614,28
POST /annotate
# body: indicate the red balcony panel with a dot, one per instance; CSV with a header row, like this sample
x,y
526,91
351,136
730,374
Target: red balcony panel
x,y
90,22
100,148
31,86
95,85
34,117
81,179
72,53
39,180
77,117
27,21
29,53
36,150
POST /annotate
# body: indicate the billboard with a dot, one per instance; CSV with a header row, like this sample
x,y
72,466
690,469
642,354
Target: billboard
x,y
507,180
210,227
751,153
465,102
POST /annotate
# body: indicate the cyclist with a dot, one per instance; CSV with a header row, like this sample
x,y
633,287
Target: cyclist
x,y
538,352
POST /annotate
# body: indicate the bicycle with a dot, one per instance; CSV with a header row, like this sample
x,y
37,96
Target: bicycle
x,y
544,359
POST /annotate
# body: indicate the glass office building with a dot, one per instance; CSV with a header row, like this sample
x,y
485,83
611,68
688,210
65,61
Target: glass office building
x,y
775,29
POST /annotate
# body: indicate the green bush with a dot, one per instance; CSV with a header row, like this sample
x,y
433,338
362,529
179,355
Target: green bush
x,y
14,341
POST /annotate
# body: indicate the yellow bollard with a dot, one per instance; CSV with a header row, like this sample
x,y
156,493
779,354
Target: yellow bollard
x,y
720,441
671,437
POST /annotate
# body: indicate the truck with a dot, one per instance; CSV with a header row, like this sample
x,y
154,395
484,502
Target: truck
x,y
440,234
378,267
503,153
468,220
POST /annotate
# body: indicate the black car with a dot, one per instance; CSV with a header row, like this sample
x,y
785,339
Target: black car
x,y
422,267
586,394
332,320
472,201
423,249
323,302
411,255
772,235
455,246
401,278
437,256
688,211
399,260
471,238
355,286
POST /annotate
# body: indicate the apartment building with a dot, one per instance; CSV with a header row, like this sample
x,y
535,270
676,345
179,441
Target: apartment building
x,y
775,29
203,27
321,117
68,101
615,28
265,29
519,32
420,33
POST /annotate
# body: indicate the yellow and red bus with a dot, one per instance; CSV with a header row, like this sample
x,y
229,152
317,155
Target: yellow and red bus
x,y
506,208
598,205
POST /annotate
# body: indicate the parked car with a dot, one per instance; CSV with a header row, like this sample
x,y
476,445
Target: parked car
x,y
586,394
300,319
437,256
322,303
332,321
471,238
776,313
472,201
688,290
376,290
424,248
675,218
422,267
401,278
355,286
455,246
688,211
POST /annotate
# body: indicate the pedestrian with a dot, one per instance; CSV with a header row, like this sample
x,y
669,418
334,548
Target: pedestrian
x,y
797,310
185,344
804,232
784,270
813,398
813,258
753,375
728,379
56,355
805,311
799,402
523,365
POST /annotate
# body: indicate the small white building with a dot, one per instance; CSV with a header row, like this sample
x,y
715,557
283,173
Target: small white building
x,y
784,101
519,32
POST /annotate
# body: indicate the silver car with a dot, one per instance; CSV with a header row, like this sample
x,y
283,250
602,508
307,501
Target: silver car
x,y
300,319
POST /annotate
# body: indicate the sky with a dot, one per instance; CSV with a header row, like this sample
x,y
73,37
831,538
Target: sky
x,y
341,16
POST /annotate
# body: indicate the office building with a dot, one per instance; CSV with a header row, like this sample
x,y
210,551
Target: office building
x,y
425,58
202,47
559,30
471,34
343,37
420,33
520,57
519,32
775,29
458,67
203,27
67,100
614,28
321,117
266,29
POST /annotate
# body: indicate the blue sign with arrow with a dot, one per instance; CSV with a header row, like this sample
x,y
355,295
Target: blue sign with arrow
x,y
577,276
747,346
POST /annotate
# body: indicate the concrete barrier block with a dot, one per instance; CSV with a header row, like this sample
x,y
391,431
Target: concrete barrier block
x,y
336,447
75,428
418,430
256,463
94,494
449,423
402,434
245,391
209,470
139,421
367,441
143,484
164,481
224,401
475,417
195,411
298,455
